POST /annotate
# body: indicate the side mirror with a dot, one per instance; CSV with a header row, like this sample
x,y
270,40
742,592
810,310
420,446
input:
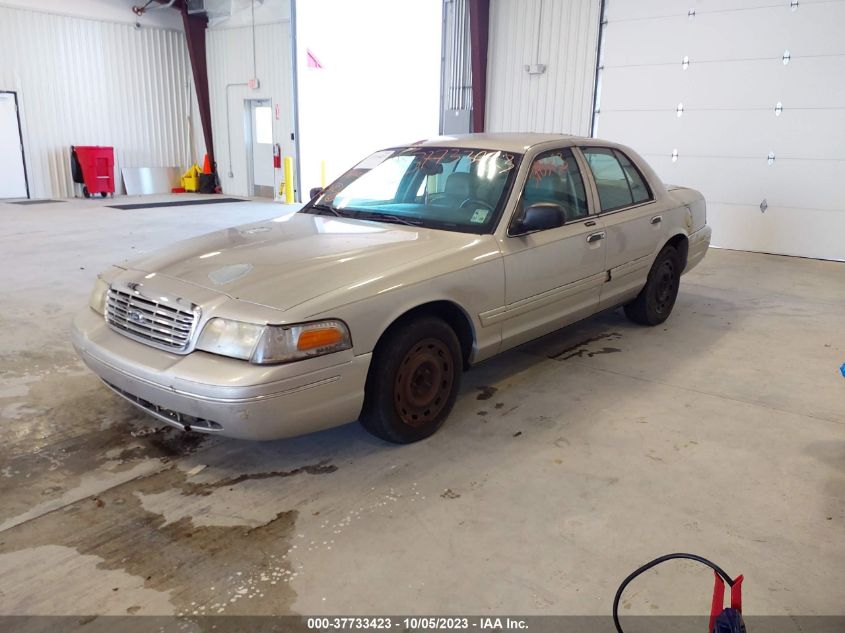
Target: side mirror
x,y
315,191
539,217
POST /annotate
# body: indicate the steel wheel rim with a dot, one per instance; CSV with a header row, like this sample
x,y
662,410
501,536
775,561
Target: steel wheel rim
x,y
423,382
666,285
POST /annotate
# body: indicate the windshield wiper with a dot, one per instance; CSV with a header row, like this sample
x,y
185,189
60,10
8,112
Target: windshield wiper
x,y
320,209
386,217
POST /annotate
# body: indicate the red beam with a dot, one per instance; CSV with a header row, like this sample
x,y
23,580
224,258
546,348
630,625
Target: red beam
x,y
195,25
479,30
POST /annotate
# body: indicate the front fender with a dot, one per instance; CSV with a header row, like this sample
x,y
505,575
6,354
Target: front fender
x,y
473,290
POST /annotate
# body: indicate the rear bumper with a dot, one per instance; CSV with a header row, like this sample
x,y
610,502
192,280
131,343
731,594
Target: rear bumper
x,y
213,394
699,242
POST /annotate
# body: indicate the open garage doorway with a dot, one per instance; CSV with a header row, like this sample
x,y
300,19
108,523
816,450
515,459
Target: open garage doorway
x,y
368,78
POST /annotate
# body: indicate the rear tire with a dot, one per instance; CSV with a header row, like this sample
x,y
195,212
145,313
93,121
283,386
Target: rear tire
x,y
413,381
657,298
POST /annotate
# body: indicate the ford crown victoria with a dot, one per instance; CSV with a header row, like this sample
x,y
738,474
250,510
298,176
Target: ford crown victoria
x,y
368,303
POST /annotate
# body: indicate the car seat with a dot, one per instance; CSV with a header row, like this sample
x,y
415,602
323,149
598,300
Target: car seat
x,y
458,188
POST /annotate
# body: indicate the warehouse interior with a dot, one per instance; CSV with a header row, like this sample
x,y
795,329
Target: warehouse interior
x,y
568,461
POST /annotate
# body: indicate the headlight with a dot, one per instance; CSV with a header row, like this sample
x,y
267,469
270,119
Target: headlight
x,y
98,297
230,338
268,344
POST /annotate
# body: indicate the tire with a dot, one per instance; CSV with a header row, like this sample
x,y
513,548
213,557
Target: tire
x,y
85,193
413,381
657,298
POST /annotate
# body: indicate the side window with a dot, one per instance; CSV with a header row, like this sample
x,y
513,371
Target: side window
x,y
610,179
554,178
619,183
639,190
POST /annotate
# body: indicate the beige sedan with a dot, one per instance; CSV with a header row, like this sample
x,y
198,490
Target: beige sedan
x,y
369,302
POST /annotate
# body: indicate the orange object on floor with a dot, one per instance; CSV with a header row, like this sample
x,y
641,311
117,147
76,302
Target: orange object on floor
x,y
206,165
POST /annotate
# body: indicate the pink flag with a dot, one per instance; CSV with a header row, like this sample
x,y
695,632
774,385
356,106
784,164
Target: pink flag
x,y
313,62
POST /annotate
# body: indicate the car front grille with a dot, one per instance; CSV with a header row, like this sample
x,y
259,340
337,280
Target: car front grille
x,y
157,324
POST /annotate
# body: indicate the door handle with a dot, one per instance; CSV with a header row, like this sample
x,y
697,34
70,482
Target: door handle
x,y
595,237
657,219
590,223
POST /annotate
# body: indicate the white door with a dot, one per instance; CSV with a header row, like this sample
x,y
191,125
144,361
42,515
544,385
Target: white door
x,y
261,160
12,173
742,100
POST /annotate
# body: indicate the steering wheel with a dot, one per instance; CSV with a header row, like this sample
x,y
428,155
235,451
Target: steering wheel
x,y
476,201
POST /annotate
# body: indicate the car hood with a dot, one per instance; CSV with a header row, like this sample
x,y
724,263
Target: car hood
x,y
286,261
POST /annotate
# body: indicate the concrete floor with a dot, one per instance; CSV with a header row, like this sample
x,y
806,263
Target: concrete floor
x,y
565,464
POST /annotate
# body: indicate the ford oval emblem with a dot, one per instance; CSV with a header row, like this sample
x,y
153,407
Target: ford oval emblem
x,y
136,317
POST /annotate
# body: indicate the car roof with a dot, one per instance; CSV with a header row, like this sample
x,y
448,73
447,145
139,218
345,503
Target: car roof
x,y
508,142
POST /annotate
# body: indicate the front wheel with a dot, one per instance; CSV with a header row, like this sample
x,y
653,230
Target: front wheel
x,y
655,302
413,381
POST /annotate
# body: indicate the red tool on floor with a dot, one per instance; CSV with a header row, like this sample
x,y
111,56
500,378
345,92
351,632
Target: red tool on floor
x,y
721,620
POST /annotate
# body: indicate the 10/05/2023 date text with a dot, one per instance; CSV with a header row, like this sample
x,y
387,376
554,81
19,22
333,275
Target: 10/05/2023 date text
x,y
429,623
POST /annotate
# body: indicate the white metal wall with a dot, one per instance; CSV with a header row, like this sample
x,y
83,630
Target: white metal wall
x,y
88,82
456,75
730,87
230,63
562,35
108,10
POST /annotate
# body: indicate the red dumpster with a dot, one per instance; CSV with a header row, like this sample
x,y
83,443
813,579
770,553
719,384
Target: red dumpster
x,y
93,166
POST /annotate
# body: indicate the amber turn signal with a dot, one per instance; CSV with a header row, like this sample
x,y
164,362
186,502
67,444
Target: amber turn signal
x,y
314,339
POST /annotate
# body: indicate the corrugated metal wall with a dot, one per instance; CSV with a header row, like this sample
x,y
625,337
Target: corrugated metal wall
x,y
456,81
230,63
88,82
563,35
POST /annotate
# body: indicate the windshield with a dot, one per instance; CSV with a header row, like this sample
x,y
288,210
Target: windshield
x,y
451,188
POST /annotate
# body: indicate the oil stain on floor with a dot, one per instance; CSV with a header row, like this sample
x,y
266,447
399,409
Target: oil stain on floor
x,y
585,349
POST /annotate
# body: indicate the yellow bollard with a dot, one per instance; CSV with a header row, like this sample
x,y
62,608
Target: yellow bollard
x,y
288,180
323,174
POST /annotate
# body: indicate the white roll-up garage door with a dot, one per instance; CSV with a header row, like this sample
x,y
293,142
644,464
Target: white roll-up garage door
x,y
742,99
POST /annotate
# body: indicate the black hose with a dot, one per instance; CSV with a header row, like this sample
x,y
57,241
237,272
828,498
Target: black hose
x,y
654,563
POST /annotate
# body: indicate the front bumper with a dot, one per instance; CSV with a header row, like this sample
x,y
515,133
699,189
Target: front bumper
x,y
215,394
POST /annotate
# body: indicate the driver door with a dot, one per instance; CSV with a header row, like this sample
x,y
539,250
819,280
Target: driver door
x,y
553,277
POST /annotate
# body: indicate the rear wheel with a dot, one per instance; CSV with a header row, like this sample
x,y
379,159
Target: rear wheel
x,y
655,302
413,381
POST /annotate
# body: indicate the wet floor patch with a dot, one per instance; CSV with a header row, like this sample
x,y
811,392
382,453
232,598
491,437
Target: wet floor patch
x,y
587,348
206,570
63,427
206,488
485,393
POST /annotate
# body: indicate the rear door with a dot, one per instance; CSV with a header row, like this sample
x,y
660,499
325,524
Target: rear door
x,y
632,220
